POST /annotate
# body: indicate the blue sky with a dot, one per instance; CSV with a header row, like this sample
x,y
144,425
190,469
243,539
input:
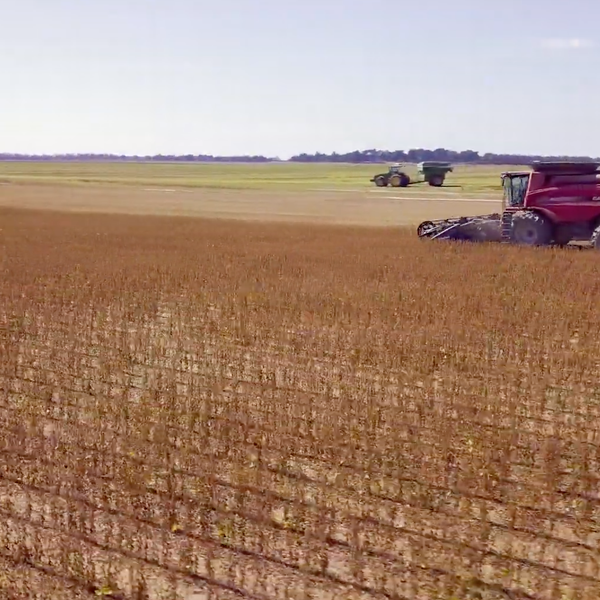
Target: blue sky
x,y
278,77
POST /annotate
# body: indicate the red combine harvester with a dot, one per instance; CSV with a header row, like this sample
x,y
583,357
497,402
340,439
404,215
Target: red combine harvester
x,y
554,204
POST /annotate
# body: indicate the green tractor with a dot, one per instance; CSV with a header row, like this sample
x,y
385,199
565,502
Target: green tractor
x,y
394,177
431,172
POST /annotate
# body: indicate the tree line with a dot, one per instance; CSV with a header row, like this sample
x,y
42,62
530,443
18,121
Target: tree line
x,y
132,158
356,157
440,154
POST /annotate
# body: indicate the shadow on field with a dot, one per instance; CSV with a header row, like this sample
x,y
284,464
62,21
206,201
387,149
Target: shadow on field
x,y
573,246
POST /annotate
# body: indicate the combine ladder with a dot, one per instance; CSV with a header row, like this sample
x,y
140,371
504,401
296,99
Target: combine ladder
x,y
506,227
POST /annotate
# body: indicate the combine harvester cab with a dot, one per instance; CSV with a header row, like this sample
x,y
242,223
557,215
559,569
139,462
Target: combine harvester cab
x,y
554,204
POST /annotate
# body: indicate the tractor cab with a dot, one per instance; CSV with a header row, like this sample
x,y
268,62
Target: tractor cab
x,y
395,168
514,186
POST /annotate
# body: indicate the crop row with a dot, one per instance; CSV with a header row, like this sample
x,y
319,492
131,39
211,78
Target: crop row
x,y
265,412
387,397
130,542
514,466
21,580
237,552
185,336
547,406
408,524
546,410
266,472
58,562
210,354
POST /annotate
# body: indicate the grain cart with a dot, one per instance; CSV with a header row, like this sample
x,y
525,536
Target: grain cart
x,y
434,172
553,204
394,177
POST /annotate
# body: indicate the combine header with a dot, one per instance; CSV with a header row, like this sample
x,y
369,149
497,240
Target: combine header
x,y
554,204
485,228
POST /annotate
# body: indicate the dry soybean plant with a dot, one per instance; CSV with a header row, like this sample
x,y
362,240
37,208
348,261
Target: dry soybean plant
x,y
195,409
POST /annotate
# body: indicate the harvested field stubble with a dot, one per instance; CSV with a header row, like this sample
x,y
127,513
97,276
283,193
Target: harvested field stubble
x,y
201,409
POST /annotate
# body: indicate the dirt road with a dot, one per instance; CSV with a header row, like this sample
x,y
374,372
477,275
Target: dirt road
x,y
335,207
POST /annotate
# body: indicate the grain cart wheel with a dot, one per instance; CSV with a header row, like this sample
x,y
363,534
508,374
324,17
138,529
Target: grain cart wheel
x,y
404,180
380,181
595,239
436,180
530,229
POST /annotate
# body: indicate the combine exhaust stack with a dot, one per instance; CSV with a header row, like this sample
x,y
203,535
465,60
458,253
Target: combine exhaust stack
x,y
484,228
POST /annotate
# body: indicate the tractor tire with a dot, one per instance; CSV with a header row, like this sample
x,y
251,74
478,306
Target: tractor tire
x,y
381,181
595,239
436,180
530,228
399,180
395,180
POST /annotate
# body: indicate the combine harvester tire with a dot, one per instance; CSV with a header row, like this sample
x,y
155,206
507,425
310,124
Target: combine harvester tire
x,y
531,229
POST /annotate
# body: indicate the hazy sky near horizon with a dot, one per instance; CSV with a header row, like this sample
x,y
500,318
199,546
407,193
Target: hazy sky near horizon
x,y
278,77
